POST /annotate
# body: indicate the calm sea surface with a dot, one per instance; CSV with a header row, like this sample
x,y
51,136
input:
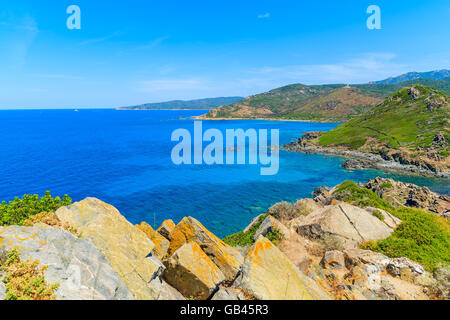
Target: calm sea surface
x,y
123,158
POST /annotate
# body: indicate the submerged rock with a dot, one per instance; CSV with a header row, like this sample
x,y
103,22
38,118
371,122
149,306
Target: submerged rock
x,y
191,271
127,249
225,257
267,274
81,271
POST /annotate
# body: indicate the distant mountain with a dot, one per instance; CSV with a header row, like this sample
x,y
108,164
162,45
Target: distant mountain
x,y
335,102
199,104
438,74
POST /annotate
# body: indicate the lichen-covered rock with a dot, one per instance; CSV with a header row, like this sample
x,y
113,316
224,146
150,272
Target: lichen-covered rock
x,y
192,272
81,271
343,220
357,257
267,274
127,249
333,259
166,228
403,266
161,243
225,257
270,224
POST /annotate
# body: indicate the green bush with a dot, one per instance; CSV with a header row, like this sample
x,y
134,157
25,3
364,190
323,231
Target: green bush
x,y
17,211
378,214
422,236
386,185
275,236
242,239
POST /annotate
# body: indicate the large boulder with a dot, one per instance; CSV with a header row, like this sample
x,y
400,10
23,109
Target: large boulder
x,y
161,243
81,271
390,220
2,290
166,228
358,257
128,250
225,257
192,272
270,224
345,221
267,274
165,291
227,295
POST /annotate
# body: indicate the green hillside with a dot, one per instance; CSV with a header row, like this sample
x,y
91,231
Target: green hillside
x,y
207,103
302,102
411,118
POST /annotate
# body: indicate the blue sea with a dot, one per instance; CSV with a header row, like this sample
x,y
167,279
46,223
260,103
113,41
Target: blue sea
x,y
124,158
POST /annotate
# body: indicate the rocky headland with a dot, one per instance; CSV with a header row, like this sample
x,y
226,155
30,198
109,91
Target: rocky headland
x,y
408,132
337,245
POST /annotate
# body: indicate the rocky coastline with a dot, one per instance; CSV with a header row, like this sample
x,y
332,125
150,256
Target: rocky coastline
x,y
315,249
358,160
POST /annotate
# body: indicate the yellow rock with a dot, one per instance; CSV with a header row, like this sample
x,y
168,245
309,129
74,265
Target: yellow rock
x,y
161,243
267,274
192,273
166,228
225,257
124,246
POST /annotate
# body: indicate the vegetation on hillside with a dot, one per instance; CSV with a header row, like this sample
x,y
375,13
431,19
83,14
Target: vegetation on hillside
x,y
409,118
25,279
207,103
421,237
16,212
302,102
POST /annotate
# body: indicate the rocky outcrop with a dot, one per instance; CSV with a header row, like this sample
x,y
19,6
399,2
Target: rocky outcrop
x,y
270,224
225,257
166,228
267,274
350,223
333,259
161,243
191,271
409,195
81,271
127,249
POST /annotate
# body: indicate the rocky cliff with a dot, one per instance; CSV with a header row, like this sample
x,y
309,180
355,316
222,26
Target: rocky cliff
x,y
311,250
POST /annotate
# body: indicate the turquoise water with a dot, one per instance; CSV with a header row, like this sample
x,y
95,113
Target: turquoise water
x,y
123,158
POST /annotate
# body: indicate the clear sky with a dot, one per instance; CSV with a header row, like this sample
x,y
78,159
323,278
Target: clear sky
x,y
135,51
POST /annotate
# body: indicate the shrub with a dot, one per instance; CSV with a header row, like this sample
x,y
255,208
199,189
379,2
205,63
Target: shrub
x,y
25,280
422,236
441,287
282,211
275,236
386,185
17,211
378,214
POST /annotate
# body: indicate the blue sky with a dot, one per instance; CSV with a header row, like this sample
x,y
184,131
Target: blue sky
x,y
135,51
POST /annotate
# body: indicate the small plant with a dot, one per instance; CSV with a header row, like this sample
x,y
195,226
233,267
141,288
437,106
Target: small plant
x,y
282,211
25,279
386,185
378,214
242,239
275,236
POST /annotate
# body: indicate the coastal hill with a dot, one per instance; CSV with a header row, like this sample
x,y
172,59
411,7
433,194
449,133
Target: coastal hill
x,y
411,127
336,102
382,240
437,74
199,104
